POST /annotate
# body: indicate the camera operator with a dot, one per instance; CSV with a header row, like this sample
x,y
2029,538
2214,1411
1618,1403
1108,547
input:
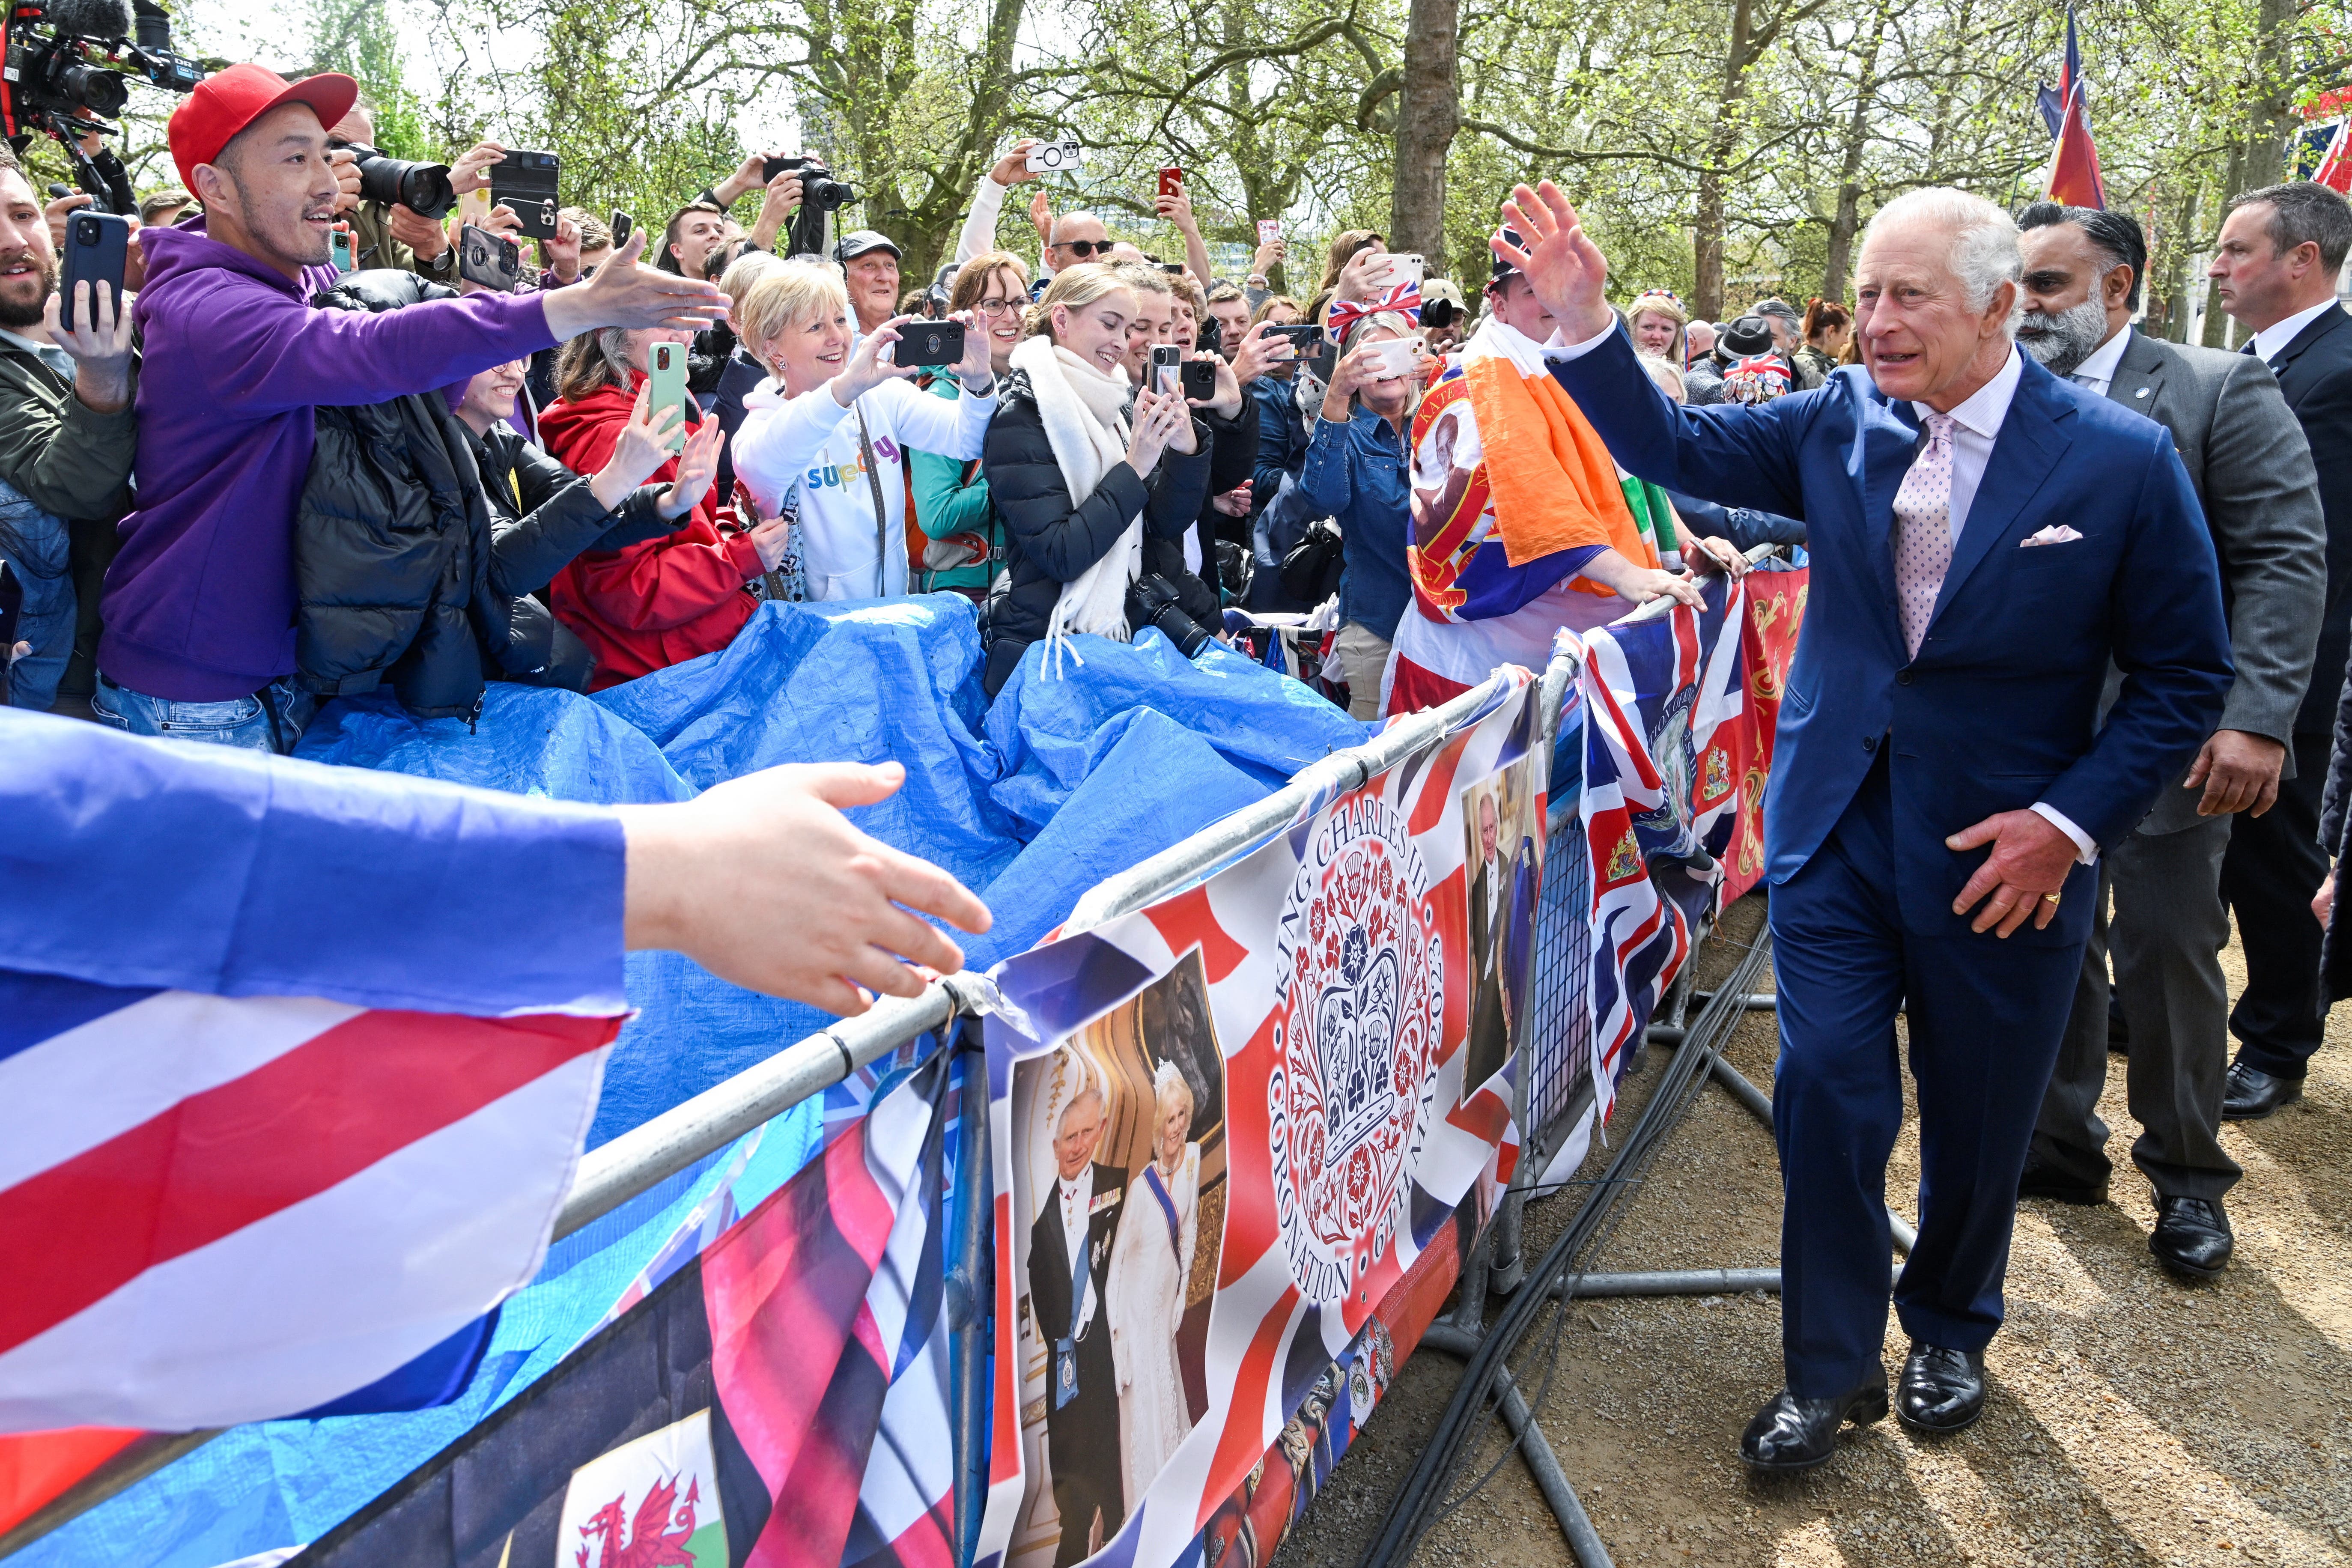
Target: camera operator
x,y
779,199
67,435
391,234
199,605
1081,465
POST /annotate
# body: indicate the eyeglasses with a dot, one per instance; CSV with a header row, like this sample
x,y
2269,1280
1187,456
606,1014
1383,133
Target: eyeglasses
x,y
998,307
1082,249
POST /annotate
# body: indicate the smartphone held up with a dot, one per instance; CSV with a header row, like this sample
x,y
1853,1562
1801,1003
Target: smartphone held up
x,y
665,373
98,248
928,343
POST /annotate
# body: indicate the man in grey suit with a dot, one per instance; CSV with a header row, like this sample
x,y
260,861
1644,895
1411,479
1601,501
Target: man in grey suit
x,y
2247,458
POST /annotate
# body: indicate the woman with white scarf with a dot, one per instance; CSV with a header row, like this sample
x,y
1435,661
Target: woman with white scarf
x,y
1078,473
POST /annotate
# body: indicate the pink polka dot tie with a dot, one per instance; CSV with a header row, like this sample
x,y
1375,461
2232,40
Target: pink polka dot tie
x,y
1923,539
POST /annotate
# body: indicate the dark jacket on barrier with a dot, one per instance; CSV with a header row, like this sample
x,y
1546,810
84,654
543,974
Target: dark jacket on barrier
x,y
1052,538
1745,527
406,568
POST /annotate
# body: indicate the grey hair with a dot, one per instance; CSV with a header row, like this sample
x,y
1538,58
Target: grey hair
x,y
1985,254
1085,1092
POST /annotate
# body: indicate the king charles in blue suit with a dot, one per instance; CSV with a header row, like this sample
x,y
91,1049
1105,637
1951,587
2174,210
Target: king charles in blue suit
x,y
1944,698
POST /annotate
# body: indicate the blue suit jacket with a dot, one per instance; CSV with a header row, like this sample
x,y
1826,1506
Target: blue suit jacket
x,y
2001,708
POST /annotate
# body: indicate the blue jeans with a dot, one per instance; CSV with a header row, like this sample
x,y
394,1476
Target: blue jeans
x,y
271,719
35,544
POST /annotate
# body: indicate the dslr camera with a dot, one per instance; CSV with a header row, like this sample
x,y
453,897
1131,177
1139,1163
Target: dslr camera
x,y
822,195
422,188
1152,602
67,56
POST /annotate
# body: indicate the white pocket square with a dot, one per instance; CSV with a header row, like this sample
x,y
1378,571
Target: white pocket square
x,y
2056,533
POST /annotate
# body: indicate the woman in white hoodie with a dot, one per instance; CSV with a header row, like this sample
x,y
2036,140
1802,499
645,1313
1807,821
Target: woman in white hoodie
x,y
825,436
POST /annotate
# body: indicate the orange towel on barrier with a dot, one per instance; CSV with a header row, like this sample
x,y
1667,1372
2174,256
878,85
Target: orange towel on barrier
x,y
1553,483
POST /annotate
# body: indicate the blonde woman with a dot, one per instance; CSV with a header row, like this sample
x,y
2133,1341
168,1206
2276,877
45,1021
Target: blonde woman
x,y
1658,325
824,437
1151,1266
1079,466
963,544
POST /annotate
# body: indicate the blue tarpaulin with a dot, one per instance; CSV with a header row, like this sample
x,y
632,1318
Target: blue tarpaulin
x,y
1030,802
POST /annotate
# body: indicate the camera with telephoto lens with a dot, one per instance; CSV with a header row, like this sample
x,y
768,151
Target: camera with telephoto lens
x,y
1152,602
821,196
66,58
422,188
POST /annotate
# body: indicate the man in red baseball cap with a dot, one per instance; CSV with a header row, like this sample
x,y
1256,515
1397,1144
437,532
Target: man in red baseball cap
x,y
199,605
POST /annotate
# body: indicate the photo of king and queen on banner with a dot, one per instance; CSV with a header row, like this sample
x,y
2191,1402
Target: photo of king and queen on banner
x,y
1226,1128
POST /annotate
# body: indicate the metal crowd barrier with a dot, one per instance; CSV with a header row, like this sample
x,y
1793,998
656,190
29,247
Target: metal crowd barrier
x,y
1551,1094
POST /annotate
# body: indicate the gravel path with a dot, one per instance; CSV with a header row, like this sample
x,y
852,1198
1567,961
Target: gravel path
x,y
2132,1420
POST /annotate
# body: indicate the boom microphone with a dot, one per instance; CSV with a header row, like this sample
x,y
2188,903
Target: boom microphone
x,y
107,19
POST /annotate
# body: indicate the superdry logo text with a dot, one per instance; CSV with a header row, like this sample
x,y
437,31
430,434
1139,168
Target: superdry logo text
x,y
840,474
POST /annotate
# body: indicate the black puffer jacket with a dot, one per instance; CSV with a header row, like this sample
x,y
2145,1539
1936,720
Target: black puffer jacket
x,y
1051,538
404,567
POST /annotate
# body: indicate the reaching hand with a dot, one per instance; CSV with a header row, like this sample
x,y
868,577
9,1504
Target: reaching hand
x,y
1267,258
976,369
770,539
563,251
2029,861
749,176
1156,418
54,213
1234,503
640,450
1041,216
763,881
471,171
1260,351
505,221
777,204
697,466
1226,400
1566,269
1177,209
2323,902
346,164
1355,277
421,235
1707,555
867,369
624,294
1014,167
100,343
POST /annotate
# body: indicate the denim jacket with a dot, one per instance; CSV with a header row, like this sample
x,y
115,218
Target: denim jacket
x,y
1359,472
34,543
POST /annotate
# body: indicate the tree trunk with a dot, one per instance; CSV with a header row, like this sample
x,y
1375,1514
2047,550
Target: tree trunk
x,y
1706,229
1429,112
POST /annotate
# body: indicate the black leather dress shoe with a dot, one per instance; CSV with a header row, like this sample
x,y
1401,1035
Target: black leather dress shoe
x,y
1792,1434
1942,1391
2250,1094
2192,1237
2039,1180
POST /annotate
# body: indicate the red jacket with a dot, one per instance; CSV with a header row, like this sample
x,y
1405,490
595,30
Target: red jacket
x,y
653,604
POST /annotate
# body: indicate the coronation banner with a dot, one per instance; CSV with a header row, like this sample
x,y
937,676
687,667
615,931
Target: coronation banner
x,y
1240,1137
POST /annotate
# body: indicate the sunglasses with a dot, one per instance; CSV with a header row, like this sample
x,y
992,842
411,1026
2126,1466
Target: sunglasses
x,y
1082,249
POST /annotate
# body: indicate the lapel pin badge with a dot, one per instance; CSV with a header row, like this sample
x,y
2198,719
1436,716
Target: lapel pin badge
x,y
2141,393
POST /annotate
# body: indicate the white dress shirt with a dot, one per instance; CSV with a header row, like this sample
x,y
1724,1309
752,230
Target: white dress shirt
x,y
1977,421
2278,334
1076,1194
2097,371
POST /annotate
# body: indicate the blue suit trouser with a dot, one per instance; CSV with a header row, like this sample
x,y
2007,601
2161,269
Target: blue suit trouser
x,y
1986,1018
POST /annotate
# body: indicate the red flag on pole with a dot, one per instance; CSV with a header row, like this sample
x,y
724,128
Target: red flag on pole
x,y
2074,171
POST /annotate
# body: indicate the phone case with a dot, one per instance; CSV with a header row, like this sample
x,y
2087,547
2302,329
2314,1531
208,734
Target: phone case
x,y
928,343
526,182
1167,364
1171,182
624,226
667,375
1269,229
98,245
342,240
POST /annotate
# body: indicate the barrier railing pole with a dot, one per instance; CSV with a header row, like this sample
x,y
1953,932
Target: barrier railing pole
x,y
972,1288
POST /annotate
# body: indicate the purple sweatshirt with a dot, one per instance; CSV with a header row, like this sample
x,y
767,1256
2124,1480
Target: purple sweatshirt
x,y
199,605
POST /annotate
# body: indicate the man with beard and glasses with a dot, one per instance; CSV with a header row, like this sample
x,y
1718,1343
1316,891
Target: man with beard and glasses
x,y
67,433
2252,469
199,605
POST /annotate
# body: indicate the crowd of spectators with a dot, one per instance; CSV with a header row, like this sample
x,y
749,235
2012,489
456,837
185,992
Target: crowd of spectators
x,y
298,479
